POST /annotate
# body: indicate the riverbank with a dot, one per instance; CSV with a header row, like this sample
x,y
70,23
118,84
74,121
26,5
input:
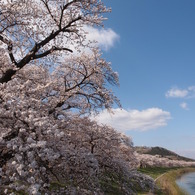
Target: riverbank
x,y
165,179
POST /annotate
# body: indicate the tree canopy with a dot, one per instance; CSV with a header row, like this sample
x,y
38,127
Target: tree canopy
x,y
50,75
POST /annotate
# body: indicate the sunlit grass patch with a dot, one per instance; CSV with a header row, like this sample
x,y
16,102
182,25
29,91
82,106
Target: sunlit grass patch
x,y
154,172
166,182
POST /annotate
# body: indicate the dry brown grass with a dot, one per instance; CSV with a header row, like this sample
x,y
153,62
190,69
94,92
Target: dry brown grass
x,y
167,181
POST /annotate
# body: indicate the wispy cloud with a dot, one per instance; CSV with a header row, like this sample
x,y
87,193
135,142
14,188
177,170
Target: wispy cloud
x,y
105,38
176,92
127,120
184,105
186,94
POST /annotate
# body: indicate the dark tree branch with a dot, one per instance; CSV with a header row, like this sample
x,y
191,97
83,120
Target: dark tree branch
x,y
4,40
32,54
7,76
5,155
56,33
47,6
10,48
50,51
62,11
11,25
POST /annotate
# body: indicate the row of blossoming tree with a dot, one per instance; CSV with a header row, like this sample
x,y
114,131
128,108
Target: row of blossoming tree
x,y
51,78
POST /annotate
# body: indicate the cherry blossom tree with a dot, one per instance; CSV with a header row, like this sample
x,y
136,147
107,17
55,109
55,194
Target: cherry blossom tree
x,y
36,29
147,160
50,76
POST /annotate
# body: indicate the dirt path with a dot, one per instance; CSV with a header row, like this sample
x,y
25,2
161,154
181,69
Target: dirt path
x,y
159,177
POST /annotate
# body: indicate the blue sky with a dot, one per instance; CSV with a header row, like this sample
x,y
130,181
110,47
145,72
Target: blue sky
x,y
153,52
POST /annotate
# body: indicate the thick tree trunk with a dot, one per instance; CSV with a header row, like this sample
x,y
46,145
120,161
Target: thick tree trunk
x,y
5,155
7,76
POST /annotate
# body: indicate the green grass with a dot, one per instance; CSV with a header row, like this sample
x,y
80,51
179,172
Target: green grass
x,y
57,185
155,172
166,182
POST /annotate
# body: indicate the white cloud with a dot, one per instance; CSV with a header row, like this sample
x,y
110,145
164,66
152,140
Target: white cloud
x,y
176,93
126,120
184,105
181,93
191,90
105,38
102,38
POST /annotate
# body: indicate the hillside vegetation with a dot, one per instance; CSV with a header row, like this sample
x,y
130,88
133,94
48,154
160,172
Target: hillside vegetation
x,y
164,166
162,153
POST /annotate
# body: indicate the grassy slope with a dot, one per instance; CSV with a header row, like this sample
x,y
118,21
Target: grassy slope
x,y
167,183
155,172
